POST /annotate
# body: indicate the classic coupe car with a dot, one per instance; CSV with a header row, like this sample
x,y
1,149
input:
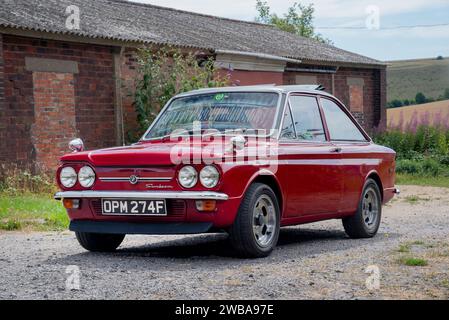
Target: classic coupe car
x,y
203,167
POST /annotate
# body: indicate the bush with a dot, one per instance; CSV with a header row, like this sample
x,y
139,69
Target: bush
x,y
14,180
424,152
431,167
408,167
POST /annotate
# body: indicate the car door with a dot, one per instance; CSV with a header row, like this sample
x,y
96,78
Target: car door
x,y
312,163
354,146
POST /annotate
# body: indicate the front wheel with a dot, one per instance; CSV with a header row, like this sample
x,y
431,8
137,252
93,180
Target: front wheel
x,y
96,242
255,231
365,223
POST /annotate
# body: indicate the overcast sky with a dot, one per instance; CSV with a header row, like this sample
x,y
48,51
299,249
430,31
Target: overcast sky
x,y
383,44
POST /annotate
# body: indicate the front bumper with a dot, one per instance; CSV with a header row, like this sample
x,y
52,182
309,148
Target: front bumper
x,y
142,195
108,227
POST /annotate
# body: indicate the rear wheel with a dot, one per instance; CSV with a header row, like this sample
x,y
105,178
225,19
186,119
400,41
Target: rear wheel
x,y
365,223
255,232
96,242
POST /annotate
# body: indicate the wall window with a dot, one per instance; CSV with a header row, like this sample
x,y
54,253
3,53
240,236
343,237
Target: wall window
x,y
307,118
341,127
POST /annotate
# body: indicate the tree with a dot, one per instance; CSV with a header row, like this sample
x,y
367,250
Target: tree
x,y
420,98
298,20
446,94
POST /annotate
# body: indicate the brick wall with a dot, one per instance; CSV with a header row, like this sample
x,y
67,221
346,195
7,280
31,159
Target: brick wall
x,y
54,95
93,90
368,99
2,106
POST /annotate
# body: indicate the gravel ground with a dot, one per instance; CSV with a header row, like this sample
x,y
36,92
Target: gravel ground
x,y
314,261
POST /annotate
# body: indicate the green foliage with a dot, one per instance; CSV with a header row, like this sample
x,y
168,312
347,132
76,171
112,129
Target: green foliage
x,y
298,20
413,262
14,181
421,154
33,212
408,167
165,73
420,98
446,94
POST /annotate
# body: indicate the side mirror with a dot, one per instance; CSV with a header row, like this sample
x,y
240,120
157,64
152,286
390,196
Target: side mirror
x,y
238,142
76,145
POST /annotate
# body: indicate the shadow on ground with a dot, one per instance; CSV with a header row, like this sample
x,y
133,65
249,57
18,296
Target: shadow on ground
x,y
207,249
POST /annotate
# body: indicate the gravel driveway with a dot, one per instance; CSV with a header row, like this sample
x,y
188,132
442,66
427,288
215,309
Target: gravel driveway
x,y
314,261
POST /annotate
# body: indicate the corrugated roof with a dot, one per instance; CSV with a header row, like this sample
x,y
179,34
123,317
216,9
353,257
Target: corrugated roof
x,y
143,23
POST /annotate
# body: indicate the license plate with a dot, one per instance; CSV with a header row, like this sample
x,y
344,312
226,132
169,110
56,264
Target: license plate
x,y
134,207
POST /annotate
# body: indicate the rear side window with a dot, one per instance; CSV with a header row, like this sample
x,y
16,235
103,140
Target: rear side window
x,y
341,127
307,118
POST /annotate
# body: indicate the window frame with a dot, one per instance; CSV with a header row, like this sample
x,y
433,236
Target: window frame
x,y
349,115
323,120
279,106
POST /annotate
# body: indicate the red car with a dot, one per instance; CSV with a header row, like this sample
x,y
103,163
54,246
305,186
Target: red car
x,y
241,160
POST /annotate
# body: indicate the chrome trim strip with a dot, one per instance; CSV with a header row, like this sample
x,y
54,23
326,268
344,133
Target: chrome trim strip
x,y
184,195
126,179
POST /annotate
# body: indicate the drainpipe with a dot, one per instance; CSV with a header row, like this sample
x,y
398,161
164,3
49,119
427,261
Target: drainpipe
x,y
118,103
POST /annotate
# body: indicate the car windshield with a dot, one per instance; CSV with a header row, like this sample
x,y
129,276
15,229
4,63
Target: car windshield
x,y
245,111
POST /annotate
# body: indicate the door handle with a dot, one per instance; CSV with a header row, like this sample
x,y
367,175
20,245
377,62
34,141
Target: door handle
x,y
336,150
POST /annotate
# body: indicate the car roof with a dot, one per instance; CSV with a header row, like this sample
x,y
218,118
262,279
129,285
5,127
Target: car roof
x,y
312,89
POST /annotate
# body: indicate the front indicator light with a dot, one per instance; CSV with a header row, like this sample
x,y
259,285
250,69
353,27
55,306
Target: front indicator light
x,y
206,205
71,203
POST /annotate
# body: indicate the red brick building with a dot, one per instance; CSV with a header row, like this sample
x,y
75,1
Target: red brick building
x,y
61,78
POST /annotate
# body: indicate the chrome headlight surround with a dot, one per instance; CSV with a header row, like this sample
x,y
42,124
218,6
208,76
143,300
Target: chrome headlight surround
x,y
68,177
209,177
86,177
188,177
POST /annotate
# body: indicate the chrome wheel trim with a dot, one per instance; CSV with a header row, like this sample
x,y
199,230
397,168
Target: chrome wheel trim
x,y
264,221
370,208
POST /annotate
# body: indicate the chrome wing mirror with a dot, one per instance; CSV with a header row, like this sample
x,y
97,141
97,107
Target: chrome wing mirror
x,y
76,145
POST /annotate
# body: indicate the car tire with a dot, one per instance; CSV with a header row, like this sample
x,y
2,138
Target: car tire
x,y
255,231
96,242
365,223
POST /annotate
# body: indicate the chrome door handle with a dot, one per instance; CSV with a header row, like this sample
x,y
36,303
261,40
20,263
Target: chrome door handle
x,y
336,150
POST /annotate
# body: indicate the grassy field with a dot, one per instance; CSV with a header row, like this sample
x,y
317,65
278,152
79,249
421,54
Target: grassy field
x,y
406,78
31,212
406,179
436,113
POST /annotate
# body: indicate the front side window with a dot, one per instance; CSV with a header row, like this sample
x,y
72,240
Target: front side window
x,y
245,111
288,131
341,127
307,118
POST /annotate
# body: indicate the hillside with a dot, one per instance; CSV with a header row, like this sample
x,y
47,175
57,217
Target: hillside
x,y
429,113
406,78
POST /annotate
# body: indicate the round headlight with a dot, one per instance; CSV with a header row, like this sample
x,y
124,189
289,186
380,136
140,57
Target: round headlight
x,y
86,177
68,177
188,177
209,176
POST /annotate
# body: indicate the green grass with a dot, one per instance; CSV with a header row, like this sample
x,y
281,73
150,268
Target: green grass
x,y
407,78
31,212
407,179
413,262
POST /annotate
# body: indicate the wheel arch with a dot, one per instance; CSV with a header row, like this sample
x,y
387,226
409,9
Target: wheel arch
x,y
374,175
270,180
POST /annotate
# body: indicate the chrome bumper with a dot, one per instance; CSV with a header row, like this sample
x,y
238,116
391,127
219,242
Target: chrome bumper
x,y
151,195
